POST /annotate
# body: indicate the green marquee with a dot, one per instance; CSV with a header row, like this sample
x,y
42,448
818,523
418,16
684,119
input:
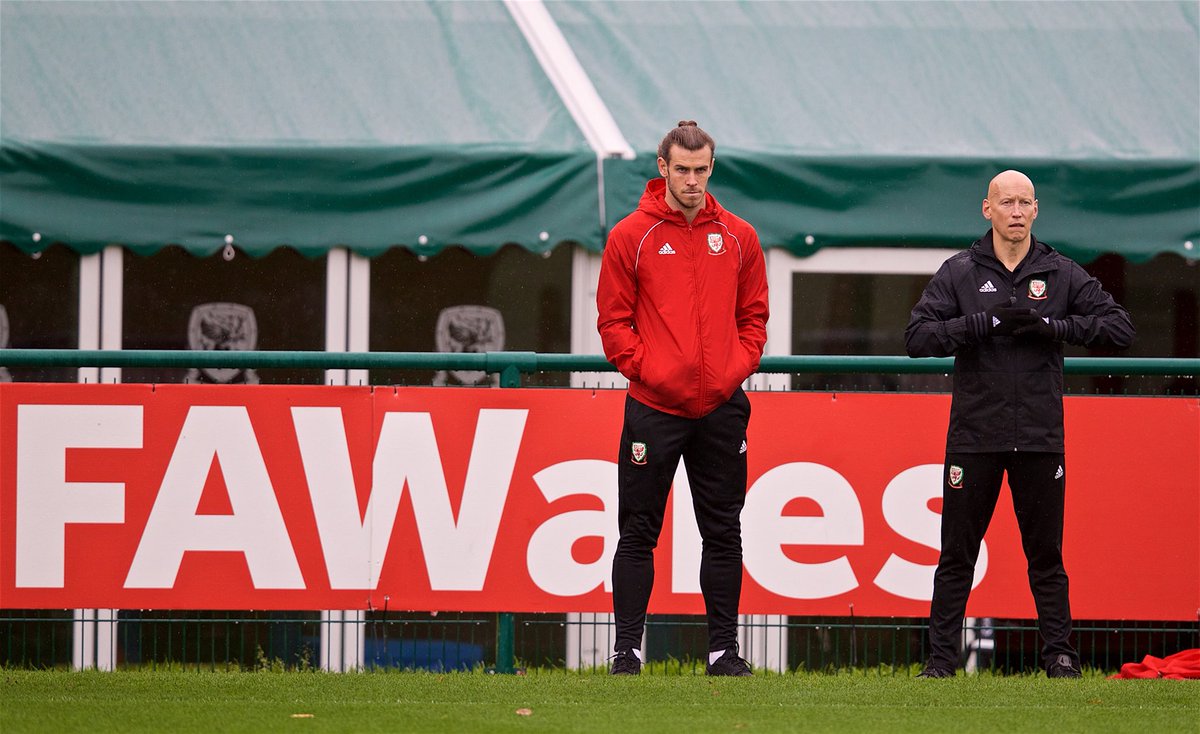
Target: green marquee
x,y
426,125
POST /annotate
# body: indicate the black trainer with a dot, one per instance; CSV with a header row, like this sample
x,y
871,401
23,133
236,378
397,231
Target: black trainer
x,y
625,663
935,671
729,664
1063,667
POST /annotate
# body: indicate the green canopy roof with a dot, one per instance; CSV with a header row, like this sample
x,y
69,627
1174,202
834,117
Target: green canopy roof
x,y
881,123
308,124
430,124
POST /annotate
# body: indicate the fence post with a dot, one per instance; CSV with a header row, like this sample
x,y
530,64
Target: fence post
x,y
510,376
506,661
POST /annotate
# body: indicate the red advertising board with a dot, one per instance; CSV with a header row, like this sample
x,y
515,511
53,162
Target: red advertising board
x,y
273,497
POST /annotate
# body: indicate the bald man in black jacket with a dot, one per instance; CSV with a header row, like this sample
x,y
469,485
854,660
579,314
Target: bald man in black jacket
x,y
1003,309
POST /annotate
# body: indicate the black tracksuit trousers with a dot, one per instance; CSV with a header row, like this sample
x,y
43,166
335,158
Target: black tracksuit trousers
x,y
714,453
1037,481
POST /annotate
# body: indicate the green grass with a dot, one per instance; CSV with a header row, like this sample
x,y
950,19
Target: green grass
x,y
175,701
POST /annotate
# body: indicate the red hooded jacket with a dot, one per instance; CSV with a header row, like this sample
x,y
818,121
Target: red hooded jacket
x,y
683,307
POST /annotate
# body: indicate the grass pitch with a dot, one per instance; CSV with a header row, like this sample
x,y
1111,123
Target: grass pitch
x,y
134,701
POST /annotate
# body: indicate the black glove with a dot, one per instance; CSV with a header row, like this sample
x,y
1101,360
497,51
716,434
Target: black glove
x,y
1043,328
1000,320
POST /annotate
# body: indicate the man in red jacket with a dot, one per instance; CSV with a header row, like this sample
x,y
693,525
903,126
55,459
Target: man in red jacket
x,y
683,312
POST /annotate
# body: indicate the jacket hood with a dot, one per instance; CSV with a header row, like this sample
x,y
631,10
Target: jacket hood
x,y
654,203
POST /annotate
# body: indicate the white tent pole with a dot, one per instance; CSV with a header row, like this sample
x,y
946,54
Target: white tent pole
x,y
571,82
347,311
573,85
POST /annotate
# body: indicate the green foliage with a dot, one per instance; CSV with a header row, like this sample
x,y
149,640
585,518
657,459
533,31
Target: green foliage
x,y
302,663
183,701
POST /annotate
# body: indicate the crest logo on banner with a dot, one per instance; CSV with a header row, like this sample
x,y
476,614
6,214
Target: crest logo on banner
x,y
474,329
1037,289
222,327
716,245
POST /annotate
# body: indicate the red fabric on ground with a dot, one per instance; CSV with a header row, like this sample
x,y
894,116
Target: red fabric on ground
x,y
1181,665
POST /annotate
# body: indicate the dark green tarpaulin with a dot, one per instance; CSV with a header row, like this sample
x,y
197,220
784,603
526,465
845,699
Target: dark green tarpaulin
x,y
429,124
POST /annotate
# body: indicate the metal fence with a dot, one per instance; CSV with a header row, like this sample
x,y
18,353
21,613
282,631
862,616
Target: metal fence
x,y
291,641
505,642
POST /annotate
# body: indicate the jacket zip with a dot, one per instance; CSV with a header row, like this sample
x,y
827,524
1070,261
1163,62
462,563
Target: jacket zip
x,y
1016,390
1011,278
699,323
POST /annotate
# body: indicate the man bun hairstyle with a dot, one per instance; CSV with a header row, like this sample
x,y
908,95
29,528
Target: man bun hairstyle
x,y
687,135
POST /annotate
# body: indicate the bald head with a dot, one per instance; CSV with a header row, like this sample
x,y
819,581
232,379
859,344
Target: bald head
x,y
1009,180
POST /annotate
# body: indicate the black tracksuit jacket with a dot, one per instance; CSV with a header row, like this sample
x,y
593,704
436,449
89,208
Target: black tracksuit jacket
x,y
1007,392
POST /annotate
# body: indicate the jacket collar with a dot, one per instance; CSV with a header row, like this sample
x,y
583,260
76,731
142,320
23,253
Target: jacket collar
x,y
1041,257
654,203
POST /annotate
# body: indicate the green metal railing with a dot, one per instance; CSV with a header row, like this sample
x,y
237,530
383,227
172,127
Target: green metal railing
x,y
810,644
510,364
